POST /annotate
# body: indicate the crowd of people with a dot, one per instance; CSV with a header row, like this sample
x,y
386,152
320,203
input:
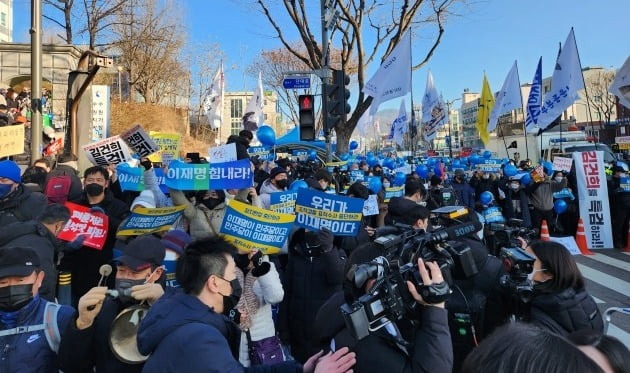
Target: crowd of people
x,y
228,310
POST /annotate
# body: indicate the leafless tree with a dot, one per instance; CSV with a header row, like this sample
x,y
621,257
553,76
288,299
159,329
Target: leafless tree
x,y
101,16
65,7
385,21
602,101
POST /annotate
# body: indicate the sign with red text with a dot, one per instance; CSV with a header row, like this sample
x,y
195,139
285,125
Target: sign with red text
x,y
92,225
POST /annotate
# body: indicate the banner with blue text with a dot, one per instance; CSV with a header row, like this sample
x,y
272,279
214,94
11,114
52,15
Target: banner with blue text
x,y
341,215
130,178
146,221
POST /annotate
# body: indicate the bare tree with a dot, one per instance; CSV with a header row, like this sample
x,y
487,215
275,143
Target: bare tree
x,y
150,39
102,16
602,101
387,22
65,7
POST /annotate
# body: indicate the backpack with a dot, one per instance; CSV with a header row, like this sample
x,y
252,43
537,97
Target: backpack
x,y
50,327
58,189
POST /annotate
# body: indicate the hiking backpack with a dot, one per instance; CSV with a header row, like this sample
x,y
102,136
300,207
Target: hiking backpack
x,y
58,189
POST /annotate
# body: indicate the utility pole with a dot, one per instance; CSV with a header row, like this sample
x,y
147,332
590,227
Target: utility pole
x,y
36,79
325,76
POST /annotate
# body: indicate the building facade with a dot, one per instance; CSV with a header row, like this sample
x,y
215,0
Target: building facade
x,y
468,118
441,138
6,21
234,104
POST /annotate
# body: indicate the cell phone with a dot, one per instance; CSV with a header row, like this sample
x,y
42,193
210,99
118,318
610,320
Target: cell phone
x,y
194,158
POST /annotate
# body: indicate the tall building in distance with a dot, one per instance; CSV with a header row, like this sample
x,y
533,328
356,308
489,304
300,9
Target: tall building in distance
x,y
6,21
468,117
234,104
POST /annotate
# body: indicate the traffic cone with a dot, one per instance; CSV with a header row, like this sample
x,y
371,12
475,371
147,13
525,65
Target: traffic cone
x,y
627,248
544,231
580,239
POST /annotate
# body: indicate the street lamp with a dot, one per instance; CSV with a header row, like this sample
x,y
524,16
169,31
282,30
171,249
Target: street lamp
x,y
120,69
448,113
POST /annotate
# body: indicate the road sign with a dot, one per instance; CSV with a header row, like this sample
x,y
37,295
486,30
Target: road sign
x,y
297,82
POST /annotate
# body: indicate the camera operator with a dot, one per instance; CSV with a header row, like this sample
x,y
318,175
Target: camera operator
x,y
384,350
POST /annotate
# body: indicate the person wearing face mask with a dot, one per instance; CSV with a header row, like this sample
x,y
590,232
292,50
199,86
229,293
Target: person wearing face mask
x,y
189,332
204,213
85,262
398,207
17,203
30,327
541,197
41,236
560,302
86,346
277,182
620,199
483,182
465,193
321,180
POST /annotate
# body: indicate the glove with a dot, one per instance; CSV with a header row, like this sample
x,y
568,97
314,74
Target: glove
x,y
146,164
261,267
97,209
77,243
325,239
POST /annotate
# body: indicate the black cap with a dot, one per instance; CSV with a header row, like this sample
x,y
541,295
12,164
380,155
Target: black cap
x,y
277,171
17,261
143,252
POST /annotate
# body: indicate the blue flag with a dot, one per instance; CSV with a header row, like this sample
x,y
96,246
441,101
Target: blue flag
x,y
534,101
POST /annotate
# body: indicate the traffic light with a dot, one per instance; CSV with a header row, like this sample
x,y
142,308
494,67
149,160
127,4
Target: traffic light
x,y
307,117
336,96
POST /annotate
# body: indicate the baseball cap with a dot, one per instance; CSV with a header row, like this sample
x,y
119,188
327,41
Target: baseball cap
x,y
459,172
176,240
18,261
142,252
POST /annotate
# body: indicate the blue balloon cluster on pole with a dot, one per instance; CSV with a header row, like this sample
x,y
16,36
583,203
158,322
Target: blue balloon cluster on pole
x,y
266,135
487,154
486,197
560,206
526,179
548,166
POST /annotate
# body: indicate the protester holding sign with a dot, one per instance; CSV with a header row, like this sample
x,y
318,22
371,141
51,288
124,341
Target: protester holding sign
x,y
619,194
17,203
541,197
204,212
85,262
277,182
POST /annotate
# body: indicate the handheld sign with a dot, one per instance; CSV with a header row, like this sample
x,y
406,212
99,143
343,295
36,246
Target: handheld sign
x,y
146,220
283,202
391,192
341,215
139,141
130,178
169,146
11,140
562,164
248,227
92,225
112,150
222,153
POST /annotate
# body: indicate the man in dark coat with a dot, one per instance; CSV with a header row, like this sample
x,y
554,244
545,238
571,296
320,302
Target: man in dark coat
x,y
398,207
619,206
465,193
314,273
85,262
86,346
17,203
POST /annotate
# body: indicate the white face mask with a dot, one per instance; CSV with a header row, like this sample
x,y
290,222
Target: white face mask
x,y
515,186
559,178
486,176
386,185
530,276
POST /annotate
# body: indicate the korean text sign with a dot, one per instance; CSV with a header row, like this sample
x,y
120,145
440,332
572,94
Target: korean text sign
x,y
169,146
229,175
112,150
593,197
130,178
248,228
146,220
11,140
341,215
92,225
140,141
283,202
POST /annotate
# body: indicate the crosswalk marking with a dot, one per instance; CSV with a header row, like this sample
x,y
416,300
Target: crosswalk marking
x,y
597,300
620,334
610,261
605,280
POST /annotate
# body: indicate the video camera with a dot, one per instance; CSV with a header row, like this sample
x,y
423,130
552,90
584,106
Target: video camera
x,y
389,299
506,235
306,168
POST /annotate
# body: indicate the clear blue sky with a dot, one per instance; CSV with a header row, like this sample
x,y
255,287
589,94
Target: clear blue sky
x,y
487,38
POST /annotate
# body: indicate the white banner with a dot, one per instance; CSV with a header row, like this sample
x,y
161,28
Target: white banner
x,y
562,164
620,87
593,197
140,141
222,153
100,112
112,150
508,99
433,110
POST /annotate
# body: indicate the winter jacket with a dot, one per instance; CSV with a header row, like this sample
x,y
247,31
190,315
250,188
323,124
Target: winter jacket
x,y
30,351
21,205
398,208
203,221
565,312
76,188
36,236
541,194
309,282
184,335
241,146
85,262
430,350
88,349
265,193
268,289
481,185
465,194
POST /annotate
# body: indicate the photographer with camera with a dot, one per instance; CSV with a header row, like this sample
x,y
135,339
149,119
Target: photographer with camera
x,y
385,349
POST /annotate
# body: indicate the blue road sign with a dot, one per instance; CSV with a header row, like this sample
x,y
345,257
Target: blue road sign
x,y
298,82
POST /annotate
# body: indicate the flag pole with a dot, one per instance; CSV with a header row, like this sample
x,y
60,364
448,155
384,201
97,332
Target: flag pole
x,y
412,129
588,105
520,93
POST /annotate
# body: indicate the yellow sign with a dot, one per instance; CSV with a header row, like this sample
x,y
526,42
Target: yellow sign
x,y
337,164
624,146
11,140
150,220
168,143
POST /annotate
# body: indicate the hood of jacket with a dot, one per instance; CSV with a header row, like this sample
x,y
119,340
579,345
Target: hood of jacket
x,y
568,308
267,188
19,229
400,206
15,198
176,309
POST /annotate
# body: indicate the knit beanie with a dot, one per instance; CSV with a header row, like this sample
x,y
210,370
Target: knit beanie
x,y
11,171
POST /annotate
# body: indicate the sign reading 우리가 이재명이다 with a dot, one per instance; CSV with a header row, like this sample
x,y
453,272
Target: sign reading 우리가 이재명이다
x,y
146,221
140,141
316,210
92,225
248,227
112,150
11,140
283,202
593,197
391,192
169,146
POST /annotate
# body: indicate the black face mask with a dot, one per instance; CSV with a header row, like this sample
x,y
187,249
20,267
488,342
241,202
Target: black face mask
x,y
94,189
211,203
124,286
230,301
14,297
282,183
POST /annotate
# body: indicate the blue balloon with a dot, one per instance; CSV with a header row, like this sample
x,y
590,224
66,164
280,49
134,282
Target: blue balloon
x,y
486,197
487,154
312,155
464,160
297,184
456,164
505,161
353,145
400,178
510,170
389,163
548,166
344,157
422,171
370,154
431,162
560,206
474,159
526,179
375,184
266,135
360,158
437,171
371,161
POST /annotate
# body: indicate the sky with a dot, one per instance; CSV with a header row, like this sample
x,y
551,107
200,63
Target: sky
x,y
487,37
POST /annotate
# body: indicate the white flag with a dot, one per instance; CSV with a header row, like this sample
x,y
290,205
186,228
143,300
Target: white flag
x,y
433,110
400,124
364,125
620,87
566,82
254,108
213,101
509,98
393,78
